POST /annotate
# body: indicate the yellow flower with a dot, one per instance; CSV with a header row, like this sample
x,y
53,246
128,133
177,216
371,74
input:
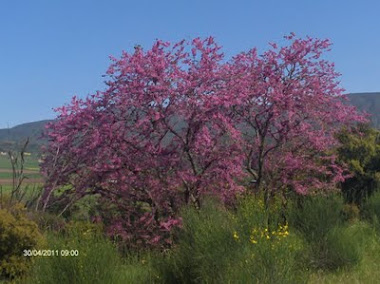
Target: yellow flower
x,y
236,236
253,240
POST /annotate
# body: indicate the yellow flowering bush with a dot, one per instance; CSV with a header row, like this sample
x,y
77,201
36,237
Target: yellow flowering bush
x,y
259,234
17,233
269,250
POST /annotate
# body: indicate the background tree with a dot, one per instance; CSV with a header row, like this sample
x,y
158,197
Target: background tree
x,y
360,151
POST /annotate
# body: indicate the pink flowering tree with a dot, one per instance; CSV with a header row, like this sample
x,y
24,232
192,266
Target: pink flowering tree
x,y
155,139
289,105
177,123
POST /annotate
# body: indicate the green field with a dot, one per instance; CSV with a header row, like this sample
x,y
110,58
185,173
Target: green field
x,y
31,170
31,163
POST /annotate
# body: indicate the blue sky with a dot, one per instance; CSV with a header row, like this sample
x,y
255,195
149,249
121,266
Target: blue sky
x,y
51,50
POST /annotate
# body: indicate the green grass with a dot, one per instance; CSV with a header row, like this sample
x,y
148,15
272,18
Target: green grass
x,y
98,262
219,245
5,187
367,271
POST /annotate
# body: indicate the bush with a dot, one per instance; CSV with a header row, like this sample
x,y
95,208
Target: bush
x,y
367,271
315,216
48,222
359,149
83,229
371,209
205,247
351,213
17,233
332,243
343,247
269,250
139,269
217,246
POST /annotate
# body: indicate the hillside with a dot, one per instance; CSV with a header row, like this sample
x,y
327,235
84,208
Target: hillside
x,y
369,102
14,137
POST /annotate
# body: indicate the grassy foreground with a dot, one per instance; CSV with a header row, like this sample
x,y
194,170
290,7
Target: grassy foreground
x,y
323,241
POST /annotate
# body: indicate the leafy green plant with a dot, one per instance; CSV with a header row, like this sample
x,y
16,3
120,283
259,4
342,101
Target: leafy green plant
x,y
315,216
370,210
360,151
17,233
351,213
332,242
269,251
343,247
48,222
220,246
205,247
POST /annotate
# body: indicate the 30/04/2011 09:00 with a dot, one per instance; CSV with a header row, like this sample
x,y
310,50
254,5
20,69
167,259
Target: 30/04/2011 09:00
x,y
51,252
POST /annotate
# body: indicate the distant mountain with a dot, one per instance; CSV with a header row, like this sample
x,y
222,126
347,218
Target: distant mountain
x,y
14,137
369,102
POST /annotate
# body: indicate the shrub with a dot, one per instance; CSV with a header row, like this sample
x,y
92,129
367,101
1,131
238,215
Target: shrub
x,y
17,233
269,250
269,261
332,243
367,271
351,213
315,216
217,246
205,247
83,229
360,150
139,269
371,209
343,247
48,222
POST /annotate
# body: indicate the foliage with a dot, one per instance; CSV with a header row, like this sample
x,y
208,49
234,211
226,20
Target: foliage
x,y
370,210
351,213
214,247
205,247
341,248
17,233
315,216
269,262
269,251
48,222
360,150
332,243
367,271
177,123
